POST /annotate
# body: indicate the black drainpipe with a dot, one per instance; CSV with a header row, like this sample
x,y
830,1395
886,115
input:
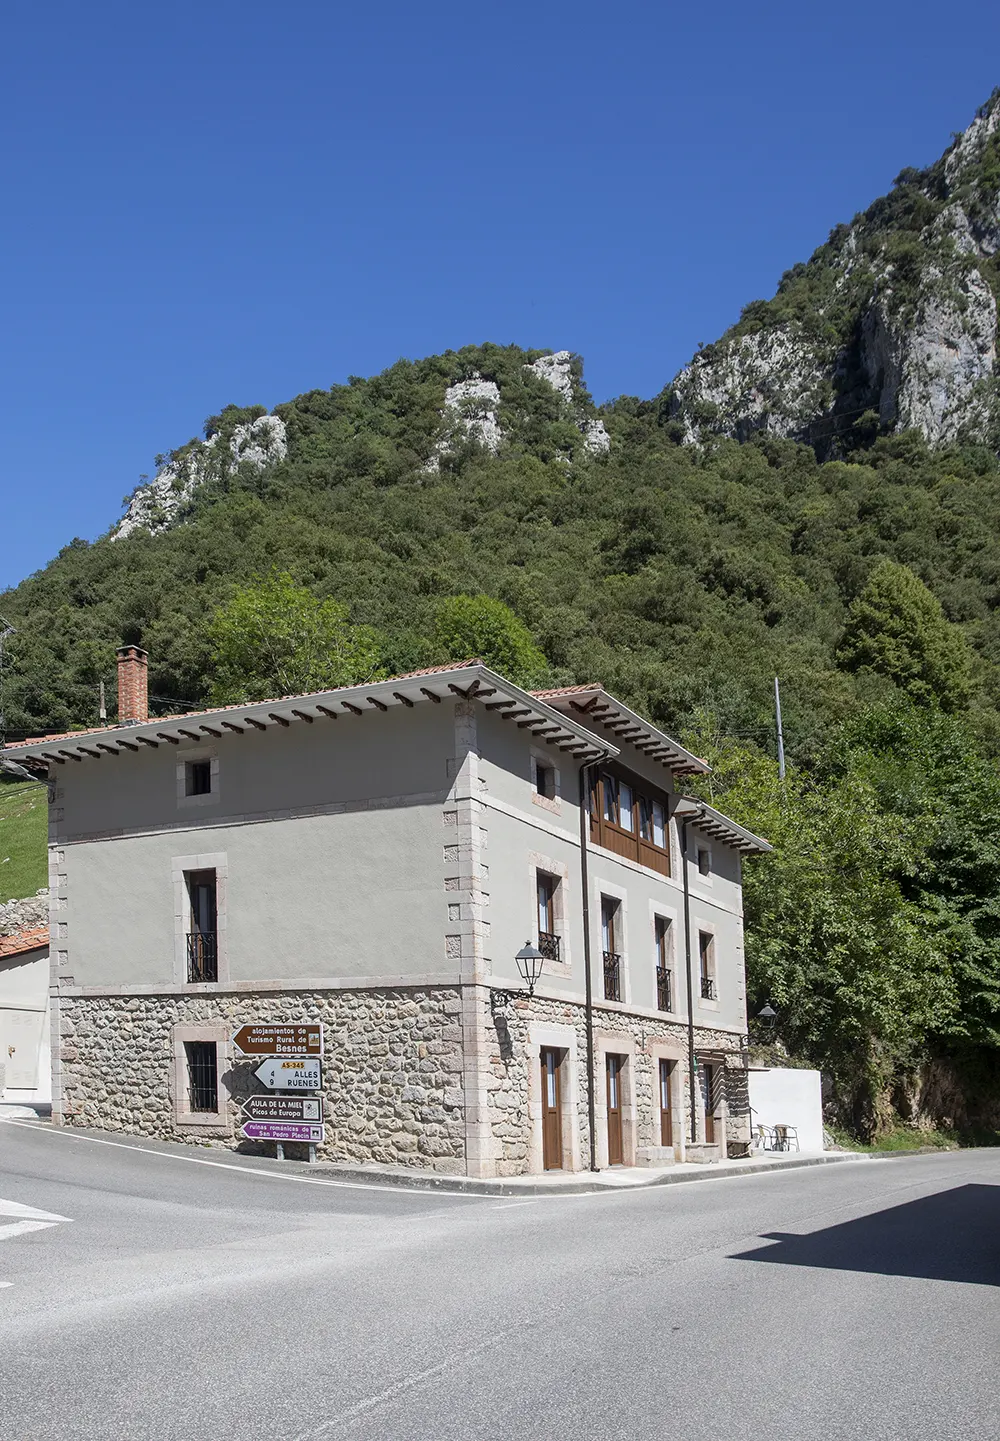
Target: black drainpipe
x,y
692,1069
589,1003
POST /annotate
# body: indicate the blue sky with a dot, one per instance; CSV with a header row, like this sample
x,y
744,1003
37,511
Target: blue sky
x,y
219,201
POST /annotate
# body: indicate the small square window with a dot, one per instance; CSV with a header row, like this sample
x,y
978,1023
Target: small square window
x,y
545,780
704,862
198,778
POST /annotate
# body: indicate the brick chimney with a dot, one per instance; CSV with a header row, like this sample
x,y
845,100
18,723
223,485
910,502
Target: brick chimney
x,y
133,696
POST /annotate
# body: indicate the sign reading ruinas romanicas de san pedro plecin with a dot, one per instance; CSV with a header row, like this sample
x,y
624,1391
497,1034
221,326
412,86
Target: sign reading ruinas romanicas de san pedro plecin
x,y
297,1038
283,1131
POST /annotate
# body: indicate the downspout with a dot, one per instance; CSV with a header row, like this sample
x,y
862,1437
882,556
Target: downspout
x,y
589,982
692,1069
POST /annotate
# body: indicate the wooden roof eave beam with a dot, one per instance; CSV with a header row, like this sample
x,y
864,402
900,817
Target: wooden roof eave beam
x,y
304,715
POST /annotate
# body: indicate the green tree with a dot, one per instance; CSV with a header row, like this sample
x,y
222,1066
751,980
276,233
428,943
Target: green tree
x,y
467,626
896,628
856,967
275,638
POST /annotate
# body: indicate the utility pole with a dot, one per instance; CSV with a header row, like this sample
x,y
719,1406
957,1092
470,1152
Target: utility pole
x,y
6,631
781,736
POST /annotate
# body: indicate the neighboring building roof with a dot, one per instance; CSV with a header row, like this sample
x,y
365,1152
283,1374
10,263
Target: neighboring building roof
x,y
32,938
594,702
714,823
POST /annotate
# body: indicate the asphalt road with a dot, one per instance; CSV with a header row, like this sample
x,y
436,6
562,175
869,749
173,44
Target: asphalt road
x,y
185,1300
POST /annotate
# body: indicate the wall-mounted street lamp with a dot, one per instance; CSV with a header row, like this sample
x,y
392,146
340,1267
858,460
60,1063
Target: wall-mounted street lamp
x,y
767,1016
529,966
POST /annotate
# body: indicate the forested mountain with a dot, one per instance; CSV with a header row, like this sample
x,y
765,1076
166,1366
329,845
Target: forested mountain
x,y
684,557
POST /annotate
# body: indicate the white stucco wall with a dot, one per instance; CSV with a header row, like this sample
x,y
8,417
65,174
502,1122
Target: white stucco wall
x,y
24,1027
785,1097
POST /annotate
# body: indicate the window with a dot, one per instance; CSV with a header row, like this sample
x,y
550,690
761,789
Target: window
x,y
611,941
706,954
548,941
704,861
545,780
630,822
198,778
661,930
203,927
203,1075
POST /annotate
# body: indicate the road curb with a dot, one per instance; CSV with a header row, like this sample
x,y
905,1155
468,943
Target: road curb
x,y
470,1186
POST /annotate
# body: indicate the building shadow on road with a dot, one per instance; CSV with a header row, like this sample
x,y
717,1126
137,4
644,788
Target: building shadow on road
x,y
951,1236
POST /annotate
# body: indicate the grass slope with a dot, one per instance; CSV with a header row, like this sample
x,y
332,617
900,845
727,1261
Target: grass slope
x,y
23,839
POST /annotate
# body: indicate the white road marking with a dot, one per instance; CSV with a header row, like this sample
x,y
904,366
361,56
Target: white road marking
x,y
414,1194
21,1228
27,1213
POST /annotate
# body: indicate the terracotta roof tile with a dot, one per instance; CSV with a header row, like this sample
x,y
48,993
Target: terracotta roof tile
x,y
268,700
566,690
32,938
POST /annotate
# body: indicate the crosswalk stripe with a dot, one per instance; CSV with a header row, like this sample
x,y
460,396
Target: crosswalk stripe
x,y
20,1228
27,1213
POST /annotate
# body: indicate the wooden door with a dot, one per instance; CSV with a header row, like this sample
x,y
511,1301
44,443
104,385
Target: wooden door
x,y
616,1150
551,1111
666,1110
707,1074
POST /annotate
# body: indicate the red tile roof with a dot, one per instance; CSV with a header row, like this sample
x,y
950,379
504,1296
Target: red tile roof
x,y
32,938
567,690
268,700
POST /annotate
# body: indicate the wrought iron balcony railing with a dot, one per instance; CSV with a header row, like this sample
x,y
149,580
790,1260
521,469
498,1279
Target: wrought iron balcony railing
x,y
708,988
612,976
663,989
548,944
202,956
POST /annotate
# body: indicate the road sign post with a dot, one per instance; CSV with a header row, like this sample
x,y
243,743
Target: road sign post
x,y
294,1053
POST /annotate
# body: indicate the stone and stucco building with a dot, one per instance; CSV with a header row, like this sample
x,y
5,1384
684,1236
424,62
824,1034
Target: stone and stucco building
x,y
374,857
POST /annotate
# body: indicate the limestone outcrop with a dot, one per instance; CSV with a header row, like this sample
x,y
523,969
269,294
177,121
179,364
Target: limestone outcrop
x,y
156,506
894,318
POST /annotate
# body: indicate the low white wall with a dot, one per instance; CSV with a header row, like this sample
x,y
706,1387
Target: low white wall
x,y
24,1028
785,1097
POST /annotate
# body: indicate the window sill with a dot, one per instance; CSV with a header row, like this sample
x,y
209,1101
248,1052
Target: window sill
x,y
547,803
185,803
204,1121
708,1005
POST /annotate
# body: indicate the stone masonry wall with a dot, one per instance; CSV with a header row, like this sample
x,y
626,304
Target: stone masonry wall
x,y
511,1055
392,1072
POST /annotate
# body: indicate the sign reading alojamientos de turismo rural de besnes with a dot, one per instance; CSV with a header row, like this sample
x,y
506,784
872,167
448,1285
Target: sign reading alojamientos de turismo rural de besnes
x,y
283,1108
294,1038
283,1131
291,1073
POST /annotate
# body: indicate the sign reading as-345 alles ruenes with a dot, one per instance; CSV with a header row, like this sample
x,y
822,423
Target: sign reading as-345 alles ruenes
x,y
291,1073
296,1038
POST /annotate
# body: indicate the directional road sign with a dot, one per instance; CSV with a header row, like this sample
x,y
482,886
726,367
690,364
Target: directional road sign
x,y
282,1131
299,1038
283,1108
291,1073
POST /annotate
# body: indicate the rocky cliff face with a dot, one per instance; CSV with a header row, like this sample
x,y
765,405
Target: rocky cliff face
x,y
472,410
257,445
475,409
891,325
